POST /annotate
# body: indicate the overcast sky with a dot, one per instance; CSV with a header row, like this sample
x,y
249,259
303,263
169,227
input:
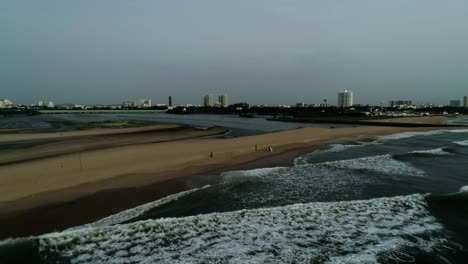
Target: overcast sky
x,y
259,51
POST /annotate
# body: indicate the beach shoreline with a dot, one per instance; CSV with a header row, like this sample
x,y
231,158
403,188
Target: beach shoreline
x,y
92,207
84,203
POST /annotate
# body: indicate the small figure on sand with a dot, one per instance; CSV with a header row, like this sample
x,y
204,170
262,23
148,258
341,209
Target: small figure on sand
x,y
270,149
211,154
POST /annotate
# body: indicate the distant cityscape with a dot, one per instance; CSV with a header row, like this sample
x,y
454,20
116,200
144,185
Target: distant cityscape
x,y
345,100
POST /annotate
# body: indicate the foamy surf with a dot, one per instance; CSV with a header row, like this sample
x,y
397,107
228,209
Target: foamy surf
x,y
414,134
462,143
437,151
235,175
366,231
381,163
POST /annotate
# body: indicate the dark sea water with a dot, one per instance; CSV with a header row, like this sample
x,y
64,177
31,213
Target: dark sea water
x,y
394,199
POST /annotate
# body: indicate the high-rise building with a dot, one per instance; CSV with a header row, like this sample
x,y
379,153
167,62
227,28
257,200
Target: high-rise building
x,y
465,101
208,101
455,103
223,100
170,101
345,99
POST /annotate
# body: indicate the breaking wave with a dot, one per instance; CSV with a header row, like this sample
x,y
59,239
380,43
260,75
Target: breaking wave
x,y
462,143
236,175
437,151
413,134
383,164
337,232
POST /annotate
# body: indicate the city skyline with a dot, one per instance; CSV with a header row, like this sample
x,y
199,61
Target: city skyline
x,y
345,99
298,51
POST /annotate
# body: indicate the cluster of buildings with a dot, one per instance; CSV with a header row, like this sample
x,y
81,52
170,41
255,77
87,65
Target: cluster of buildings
x,y
345,100
140,103
5,103
402,103
222,101
47,104
457,103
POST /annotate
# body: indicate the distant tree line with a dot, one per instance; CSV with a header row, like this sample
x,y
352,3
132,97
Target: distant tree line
x,y
358,110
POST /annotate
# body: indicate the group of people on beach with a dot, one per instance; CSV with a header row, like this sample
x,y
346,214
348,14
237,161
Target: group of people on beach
x,y
270,149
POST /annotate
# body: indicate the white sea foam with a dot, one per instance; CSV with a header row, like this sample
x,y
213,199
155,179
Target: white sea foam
x,y
437,151
462,143
232,175
333,148
338,232
458,131
314,182
464,188
381,163
414,134
410,134
136,211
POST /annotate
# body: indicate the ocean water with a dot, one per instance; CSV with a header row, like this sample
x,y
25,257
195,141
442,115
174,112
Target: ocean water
x,y
395,199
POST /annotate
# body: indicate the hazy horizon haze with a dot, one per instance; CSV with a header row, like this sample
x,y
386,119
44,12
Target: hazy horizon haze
x,y
261,52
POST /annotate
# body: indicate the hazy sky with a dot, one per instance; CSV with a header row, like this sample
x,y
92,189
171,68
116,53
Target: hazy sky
x,y
260,51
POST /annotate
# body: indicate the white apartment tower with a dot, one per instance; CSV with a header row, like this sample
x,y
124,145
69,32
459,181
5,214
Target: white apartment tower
x,y
223,100
208,101
345,99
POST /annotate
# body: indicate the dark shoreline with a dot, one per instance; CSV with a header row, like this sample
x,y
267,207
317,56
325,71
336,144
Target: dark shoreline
x,y
90,208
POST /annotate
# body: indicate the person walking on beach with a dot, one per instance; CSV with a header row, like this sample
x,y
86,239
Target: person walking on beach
x,y
270,149
211,154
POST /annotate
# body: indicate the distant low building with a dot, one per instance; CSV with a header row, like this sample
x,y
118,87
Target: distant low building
x,y
455,103
127,104
402,103
465,101
48,104
5,103
140,103
143,103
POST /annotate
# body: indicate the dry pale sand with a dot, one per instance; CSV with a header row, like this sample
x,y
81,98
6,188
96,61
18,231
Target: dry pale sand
x,y
138,165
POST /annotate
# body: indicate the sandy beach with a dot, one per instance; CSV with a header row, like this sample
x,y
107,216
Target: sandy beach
x,y
104,171
431,120
44,145
142,164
